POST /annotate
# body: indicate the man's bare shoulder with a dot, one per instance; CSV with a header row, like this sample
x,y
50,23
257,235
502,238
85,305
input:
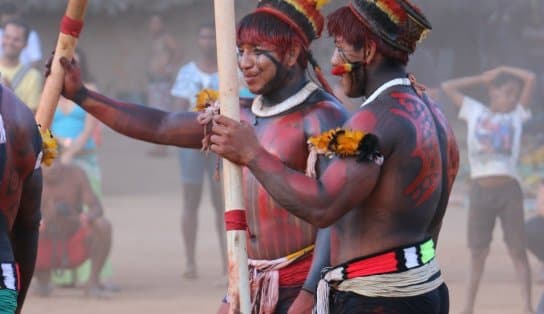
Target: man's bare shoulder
x,y
20,126
326,108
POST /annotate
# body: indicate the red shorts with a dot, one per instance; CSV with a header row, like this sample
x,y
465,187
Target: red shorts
x,y
68,253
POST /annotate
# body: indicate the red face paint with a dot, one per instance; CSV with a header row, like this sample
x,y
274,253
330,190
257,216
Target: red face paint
x,y
342,69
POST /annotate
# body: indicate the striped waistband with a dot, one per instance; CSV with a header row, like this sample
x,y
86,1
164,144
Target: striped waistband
x,y
402,272
393,261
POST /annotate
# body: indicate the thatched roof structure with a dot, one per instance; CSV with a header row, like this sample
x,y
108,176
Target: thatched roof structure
x,y
106,6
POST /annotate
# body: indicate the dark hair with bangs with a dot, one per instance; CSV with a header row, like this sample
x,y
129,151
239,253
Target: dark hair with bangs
x,y
261,27
344,23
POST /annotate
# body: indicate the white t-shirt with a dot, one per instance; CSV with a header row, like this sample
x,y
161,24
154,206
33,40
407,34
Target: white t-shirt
x,y
33,50
191,80
493,138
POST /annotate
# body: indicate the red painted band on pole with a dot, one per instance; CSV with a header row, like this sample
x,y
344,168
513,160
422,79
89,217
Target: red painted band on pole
x,y
235,220
71,27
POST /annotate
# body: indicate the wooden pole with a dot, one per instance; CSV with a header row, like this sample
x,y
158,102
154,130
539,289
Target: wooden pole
x,y
239,295
66,45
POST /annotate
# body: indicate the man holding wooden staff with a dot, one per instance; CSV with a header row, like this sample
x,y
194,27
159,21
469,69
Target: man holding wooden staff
x,y
386,190
286,254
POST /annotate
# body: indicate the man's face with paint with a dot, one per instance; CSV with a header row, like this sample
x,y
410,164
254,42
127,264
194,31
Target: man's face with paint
x,y
261,67
352,83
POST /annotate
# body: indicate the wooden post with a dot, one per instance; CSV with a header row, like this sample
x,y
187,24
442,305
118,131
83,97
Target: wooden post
x,y
66,45
238,292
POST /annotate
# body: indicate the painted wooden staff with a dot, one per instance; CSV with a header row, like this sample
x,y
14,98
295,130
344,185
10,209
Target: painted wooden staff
x,y
235,215
70,28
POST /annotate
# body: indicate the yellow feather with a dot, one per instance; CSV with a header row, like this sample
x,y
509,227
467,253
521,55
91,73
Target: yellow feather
x,y
205,98
49,147
320,3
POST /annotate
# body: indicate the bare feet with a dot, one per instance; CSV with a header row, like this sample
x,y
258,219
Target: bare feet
x,y
190,272
110,287
97,292
43,290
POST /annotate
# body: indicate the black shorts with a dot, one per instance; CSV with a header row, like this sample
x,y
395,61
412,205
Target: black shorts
x,y
433,302
486,204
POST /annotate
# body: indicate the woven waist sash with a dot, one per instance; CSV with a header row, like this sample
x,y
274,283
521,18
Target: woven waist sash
x,y
402,272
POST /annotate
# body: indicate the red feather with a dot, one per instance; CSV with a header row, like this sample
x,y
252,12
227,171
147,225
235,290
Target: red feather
x,y
395,8
342,69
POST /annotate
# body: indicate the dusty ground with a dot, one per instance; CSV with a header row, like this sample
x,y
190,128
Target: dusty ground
x,y
142,201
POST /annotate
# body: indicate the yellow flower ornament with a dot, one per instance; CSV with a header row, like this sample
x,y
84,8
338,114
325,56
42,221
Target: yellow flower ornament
x,y
206,98
343,143
49,147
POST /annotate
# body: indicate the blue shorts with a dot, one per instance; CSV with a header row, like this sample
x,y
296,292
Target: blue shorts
x,y
195,164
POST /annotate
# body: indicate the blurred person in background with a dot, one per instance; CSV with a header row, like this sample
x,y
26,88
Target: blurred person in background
x,y
196,166
533,36
77,133
286,254
534,228
32,52
163,61
69,236
501,33
494,137
25,81
20,197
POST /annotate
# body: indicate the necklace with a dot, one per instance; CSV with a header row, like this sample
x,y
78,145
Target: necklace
x,y
381,89
262,111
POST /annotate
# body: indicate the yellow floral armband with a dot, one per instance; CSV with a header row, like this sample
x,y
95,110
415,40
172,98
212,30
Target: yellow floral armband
x,y
49,147
344,143
206,98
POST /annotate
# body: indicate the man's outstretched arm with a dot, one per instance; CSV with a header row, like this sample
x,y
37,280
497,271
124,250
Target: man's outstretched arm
x,y
136,121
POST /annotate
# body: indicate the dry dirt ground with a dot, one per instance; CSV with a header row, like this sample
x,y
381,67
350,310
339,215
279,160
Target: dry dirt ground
x,y
142,200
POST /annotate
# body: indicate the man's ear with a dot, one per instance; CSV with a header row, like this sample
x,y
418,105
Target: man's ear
x,y
292,56
370,51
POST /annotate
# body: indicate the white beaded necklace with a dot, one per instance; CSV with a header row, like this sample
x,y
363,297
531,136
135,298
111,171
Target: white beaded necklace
x,y
262,111
381,89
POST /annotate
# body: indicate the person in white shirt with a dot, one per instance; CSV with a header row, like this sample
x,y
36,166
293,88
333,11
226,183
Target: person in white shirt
x,y
32,53
494,139
195,165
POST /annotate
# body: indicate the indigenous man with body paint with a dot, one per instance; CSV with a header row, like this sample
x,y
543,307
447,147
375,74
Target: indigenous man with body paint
x,y
286,254
20,198
394,162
